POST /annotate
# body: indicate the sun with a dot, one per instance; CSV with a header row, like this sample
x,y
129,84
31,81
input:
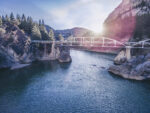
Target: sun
x,y
98,29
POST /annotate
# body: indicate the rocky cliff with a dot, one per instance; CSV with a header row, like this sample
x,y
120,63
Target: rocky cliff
x,y
129,21
137,68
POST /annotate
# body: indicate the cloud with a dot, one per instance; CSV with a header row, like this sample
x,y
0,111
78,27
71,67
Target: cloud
x,y
79,13
62,14
83,13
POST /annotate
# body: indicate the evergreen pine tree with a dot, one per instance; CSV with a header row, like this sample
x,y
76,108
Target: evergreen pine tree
x,y
12,18
23,18
43,24
29,25
40,22
7,19
18,18
36,35
1,21
51,35
61,38
44,33
23,24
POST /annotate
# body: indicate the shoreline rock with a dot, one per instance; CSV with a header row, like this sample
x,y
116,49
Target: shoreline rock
x,y
19,66
137,68
64,55
13,61
116,70
120,58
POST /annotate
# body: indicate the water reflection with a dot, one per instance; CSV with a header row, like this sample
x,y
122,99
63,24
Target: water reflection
x,y
17,80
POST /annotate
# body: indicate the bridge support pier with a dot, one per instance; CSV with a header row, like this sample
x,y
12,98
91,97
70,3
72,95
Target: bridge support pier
x,y
45,50
128,52
53,51
103,42
91,41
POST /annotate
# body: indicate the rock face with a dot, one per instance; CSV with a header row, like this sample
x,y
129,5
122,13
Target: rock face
x,y
64,55
137,68
6,59
52,52
129,21
13,45
120,58
12,37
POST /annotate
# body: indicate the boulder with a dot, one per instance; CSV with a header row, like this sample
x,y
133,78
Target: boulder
x,y
147,57
125,73
121,58
119,70
6,59
136,68
134,61
64,55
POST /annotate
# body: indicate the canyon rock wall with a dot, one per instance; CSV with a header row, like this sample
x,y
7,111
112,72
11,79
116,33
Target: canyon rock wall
x,y
129,21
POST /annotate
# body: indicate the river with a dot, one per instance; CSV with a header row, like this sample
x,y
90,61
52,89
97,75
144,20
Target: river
x,y
83,86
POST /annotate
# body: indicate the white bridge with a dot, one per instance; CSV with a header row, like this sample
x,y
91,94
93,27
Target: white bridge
x,y
84,41
96,42
103,42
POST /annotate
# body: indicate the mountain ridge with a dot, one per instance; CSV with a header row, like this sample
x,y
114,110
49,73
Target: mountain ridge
x,y
75,32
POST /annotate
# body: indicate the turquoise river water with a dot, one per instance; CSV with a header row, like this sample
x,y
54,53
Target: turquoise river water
x,y
83,86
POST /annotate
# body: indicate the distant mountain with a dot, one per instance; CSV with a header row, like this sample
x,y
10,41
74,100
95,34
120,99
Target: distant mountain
x,y
75,32
129,21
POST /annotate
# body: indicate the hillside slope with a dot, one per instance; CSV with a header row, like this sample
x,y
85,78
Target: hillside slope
x,y
16,48
75,32
130,20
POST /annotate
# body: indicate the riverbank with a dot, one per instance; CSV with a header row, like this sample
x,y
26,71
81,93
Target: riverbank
x,y
19,66
135,68
10,59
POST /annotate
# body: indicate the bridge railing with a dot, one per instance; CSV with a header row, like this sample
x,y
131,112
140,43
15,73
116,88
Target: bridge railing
x,y
84,41
96,42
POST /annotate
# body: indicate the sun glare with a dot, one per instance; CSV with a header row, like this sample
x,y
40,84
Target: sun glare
x,y
98,29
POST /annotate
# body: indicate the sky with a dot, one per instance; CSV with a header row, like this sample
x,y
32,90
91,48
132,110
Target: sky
x,y
63,14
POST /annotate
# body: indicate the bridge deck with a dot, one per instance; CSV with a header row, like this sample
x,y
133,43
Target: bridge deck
x,y
104,42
